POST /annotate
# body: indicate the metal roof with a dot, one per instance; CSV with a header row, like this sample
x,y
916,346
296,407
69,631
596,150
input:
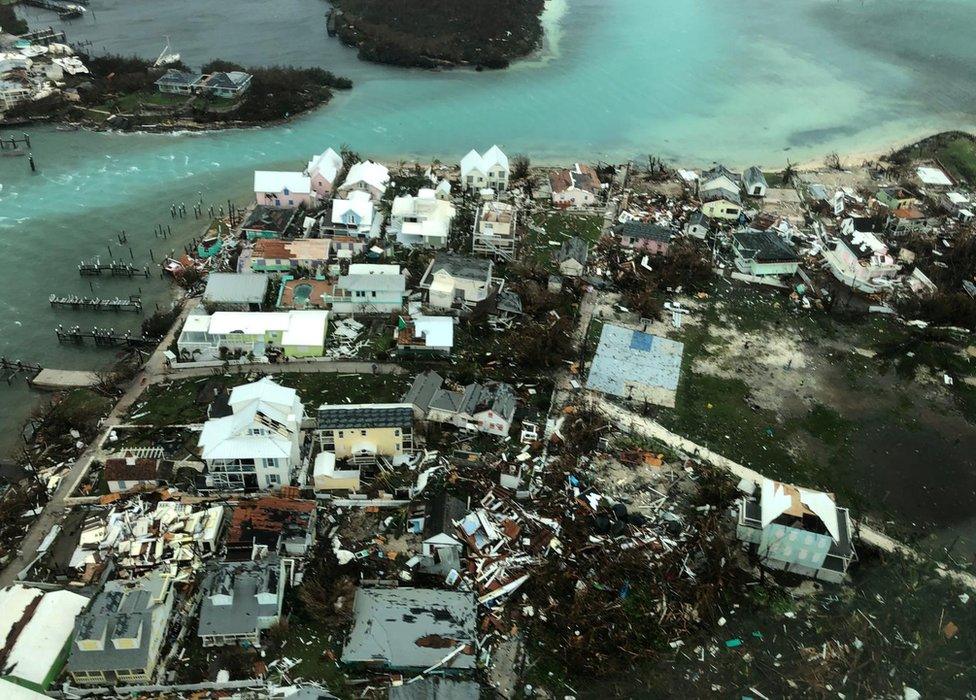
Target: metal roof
x,y
412,628
230,287
338,417
242,581
625,356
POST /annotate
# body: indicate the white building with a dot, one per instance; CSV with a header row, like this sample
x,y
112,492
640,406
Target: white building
x,y
494,230
424,335
483,171
35,631
282,190
323,170
12,93
451,279
292,333
858,258
257,446
353,215
368,289
422,220
366,176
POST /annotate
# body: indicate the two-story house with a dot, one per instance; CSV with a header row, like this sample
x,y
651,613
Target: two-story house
x,y
578,186
644,236
423,220
118,639
457,279
368,289
363,432
761,253
240,600
282,189
239,333
368,177
258,445
274,255
494,230
486,408
323,171
490,170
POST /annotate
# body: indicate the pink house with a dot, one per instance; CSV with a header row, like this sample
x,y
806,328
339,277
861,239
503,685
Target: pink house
x,y
282,190
324,170
649,238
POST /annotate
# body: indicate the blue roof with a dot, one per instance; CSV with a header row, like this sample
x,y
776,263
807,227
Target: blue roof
x,y
626,358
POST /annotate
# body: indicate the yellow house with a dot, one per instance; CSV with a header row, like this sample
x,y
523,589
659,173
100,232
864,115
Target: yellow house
x,y
362,432
722,209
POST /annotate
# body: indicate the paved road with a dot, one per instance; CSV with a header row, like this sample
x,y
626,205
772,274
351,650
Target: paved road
x,y
55,508
304,366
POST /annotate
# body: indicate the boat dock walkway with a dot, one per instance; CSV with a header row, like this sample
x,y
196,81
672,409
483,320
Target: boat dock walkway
x,y
103,337
41,378
72,301
115,268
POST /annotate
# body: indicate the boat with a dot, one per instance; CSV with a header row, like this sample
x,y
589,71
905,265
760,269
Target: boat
x,y
165,58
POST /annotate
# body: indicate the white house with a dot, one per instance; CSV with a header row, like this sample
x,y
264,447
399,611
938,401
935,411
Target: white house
x,y
257,446
366,176
796,529
293,333
858,258
723,207
282,189
754,182
452,278
327,476
761,253
323,170
423,220
483,171
353,215
368,289
578,186
424,335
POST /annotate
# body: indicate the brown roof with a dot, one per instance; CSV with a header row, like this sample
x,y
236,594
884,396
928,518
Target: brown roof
x,y
263,519
581,176
116,469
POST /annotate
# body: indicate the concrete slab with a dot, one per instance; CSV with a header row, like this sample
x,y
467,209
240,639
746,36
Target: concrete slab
x,y
64,379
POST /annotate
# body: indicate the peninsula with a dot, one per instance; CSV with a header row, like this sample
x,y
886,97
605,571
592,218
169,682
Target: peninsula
x,y
439,33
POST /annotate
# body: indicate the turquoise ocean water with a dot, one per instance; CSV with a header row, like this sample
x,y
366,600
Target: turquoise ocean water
x,y
693,80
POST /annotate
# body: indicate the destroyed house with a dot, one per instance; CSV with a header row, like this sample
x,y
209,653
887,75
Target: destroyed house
x,y
434,688
412,629
486,408
761,253
240,600
439,530
754,182
578,186
637,366
278,525
457,279
425,335
267,222
797,530
118,639
363,432
646,237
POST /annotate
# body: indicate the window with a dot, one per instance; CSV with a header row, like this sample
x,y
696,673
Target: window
x,y
273,480
362,433
340,433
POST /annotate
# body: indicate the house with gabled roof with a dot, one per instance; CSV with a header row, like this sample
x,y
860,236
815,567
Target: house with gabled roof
x,y
366,176
363,432
240,600
482,171
761,253
485,408
421,220
286,190
578,186
646,237
754,182
457,279
257,446
571,257
324,170
228,85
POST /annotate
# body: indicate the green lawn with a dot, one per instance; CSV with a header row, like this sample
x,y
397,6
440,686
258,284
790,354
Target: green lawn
x,y
559,226
959,156
132,101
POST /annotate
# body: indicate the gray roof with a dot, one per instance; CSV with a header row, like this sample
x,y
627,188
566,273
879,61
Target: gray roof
x,y
435,689
122,609
497,397
178,77
460,266
365,416
754,176
718,171
422,391
636,229
242,581
698,219
367,282
234,288
573,249
625,356
711,194
442,511
227,80
411,628
764,246
264,218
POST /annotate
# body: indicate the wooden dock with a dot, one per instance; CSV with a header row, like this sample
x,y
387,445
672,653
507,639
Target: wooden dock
x,y
72,301
41,378
115,268
103,337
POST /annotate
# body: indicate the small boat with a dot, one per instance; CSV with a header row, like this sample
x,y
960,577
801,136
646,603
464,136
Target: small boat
x,y
165,58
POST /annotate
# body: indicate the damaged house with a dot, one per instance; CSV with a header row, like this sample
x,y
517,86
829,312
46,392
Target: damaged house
x,y
637,366
485,408
273,525
796,530
412,629
452,279
240,600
